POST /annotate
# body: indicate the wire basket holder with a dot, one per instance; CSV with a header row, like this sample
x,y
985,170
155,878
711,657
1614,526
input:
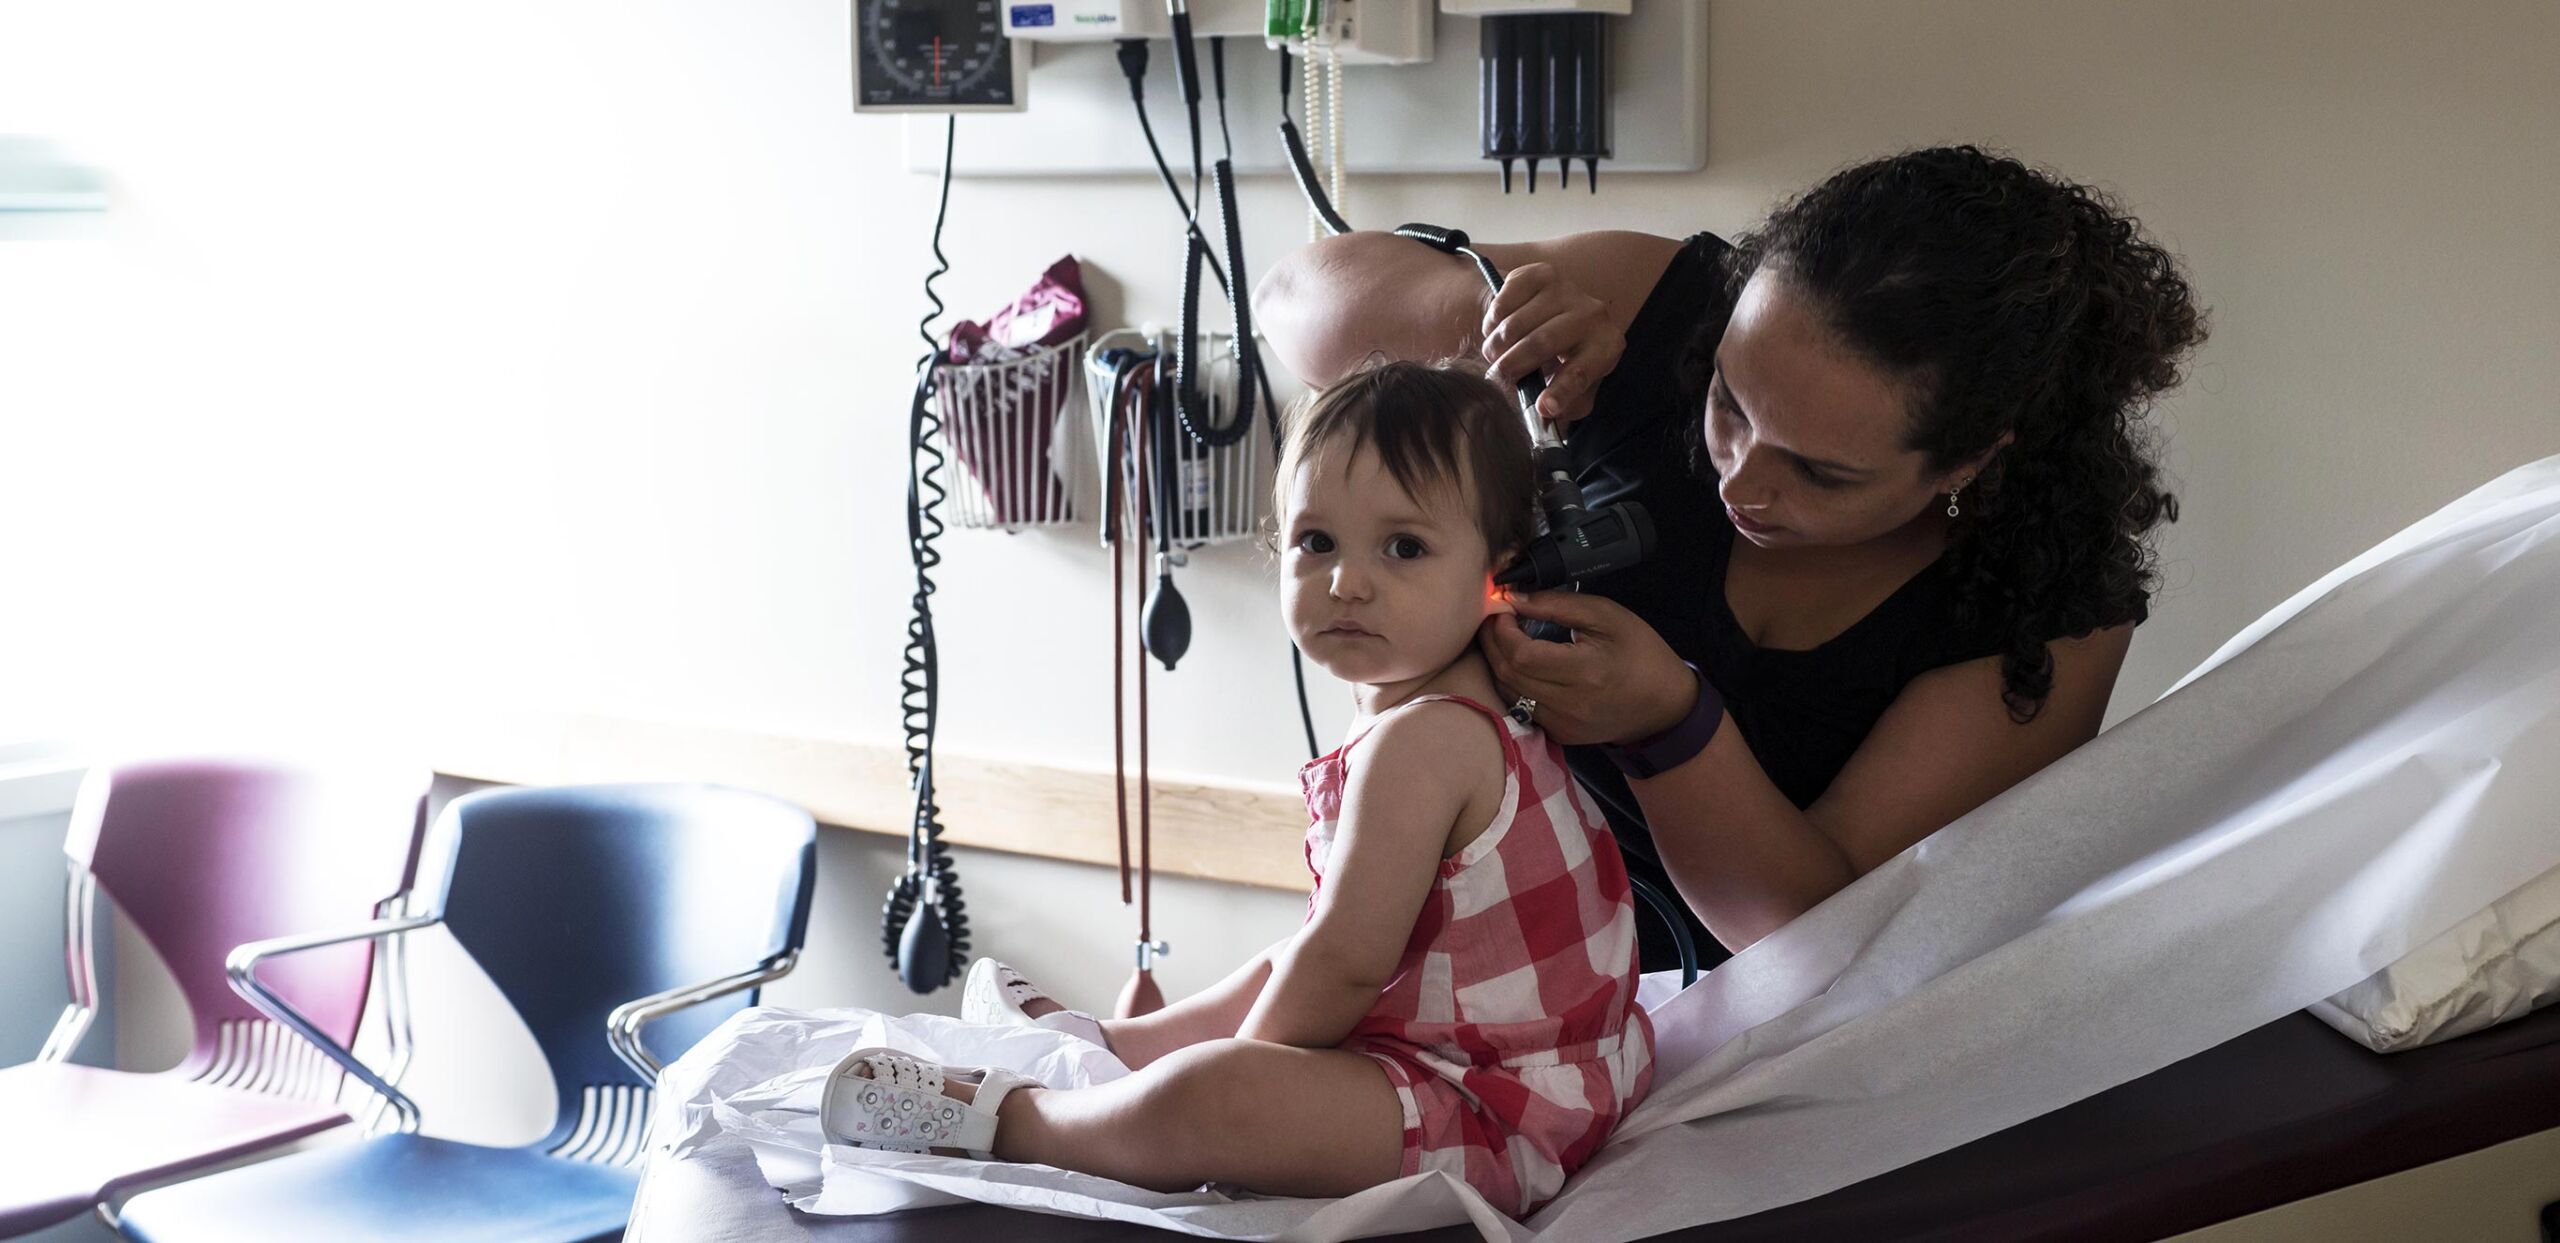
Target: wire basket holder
x,y
1007,424
1214,495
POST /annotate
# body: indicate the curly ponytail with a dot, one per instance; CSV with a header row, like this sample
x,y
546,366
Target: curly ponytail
x,y
2014,304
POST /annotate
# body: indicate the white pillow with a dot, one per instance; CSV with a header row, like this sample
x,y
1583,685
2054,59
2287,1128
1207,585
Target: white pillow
x,y
2500,964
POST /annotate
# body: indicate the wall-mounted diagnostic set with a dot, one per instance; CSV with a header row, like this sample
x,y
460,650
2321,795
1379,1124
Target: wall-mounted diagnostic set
x,y
1545,88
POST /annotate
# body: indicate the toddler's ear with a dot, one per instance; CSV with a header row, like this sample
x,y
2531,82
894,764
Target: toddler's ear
x,y
1497,599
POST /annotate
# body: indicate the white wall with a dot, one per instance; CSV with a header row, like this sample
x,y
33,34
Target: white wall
x,y
559,354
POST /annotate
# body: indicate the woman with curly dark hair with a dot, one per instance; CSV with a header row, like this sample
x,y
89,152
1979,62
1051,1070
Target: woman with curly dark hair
x,y
1895,444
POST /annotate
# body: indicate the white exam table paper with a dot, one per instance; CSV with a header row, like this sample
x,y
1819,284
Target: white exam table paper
x,y
2367,765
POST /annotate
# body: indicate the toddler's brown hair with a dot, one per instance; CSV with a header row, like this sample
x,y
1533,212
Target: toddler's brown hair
x,y
1442,424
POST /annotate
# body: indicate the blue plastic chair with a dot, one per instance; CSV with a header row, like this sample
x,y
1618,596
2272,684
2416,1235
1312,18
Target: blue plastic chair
x,y
597,911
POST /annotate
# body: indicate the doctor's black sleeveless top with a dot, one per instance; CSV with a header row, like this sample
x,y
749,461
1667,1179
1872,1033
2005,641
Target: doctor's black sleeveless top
x,y
1802,712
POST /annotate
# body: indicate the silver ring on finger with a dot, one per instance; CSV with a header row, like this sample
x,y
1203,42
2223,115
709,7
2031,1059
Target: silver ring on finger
x,y
1523,708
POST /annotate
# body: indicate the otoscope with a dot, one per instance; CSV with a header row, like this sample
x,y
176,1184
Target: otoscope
x,y
1580,542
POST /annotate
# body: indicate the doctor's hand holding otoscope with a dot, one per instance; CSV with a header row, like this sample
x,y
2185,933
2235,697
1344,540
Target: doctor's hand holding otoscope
x,y
1557,343
1552,341
1540,327
1575,541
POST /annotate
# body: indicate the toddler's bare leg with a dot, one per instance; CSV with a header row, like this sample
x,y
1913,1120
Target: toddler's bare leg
x,y
1214,1013
1277,1119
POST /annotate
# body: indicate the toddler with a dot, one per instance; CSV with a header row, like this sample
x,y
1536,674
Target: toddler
x,y
1461,996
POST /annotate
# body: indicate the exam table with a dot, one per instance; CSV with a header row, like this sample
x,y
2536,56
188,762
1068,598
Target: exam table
x,y
2289,1110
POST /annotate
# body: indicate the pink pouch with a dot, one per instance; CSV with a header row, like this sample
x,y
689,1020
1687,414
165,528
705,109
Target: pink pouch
x,y
1004,390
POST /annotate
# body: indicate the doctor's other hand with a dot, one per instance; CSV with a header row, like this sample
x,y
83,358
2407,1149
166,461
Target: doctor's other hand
x,y
1616,682
1539,321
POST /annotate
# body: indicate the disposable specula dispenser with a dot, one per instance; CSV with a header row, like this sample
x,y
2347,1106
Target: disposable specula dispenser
x,y
1543,83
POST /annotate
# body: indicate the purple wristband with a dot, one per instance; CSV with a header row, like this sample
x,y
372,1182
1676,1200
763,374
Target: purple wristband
x,y
1673,747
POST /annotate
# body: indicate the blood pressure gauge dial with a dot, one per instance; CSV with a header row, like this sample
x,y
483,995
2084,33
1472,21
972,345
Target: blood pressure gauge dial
x,y
935,56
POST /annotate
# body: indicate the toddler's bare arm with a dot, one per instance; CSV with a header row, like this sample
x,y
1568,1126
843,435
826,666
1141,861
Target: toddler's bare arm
x,y
1410,778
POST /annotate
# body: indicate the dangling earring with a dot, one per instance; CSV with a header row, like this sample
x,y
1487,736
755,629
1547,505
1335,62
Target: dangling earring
x,y
1951,499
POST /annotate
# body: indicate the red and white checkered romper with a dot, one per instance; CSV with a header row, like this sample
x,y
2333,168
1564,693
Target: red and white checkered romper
x,y
1510,1030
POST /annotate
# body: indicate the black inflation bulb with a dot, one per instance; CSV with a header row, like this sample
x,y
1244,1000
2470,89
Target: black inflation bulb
x,y
1168,623
924,949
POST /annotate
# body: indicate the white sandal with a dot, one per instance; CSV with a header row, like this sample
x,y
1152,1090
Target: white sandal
x,y
898,1105
994,994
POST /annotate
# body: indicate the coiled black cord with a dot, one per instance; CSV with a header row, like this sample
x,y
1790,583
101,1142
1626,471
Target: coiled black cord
x,y
929,878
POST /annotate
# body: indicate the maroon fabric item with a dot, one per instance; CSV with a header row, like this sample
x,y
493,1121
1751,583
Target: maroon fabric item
x,y
1000,420
1051,312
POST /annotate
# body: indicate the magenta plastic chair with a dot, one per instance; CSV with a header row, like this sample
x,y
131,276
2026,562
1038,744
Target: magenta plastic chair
x,y
201,856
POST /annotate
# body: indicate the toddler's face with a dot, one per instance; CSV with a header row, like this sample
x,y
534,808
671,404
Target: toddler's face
x,y
1378,586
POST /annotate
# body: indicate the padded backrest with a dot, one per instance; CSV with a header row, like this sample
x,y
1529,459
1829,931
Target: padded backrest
x,y
202,855
577,899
